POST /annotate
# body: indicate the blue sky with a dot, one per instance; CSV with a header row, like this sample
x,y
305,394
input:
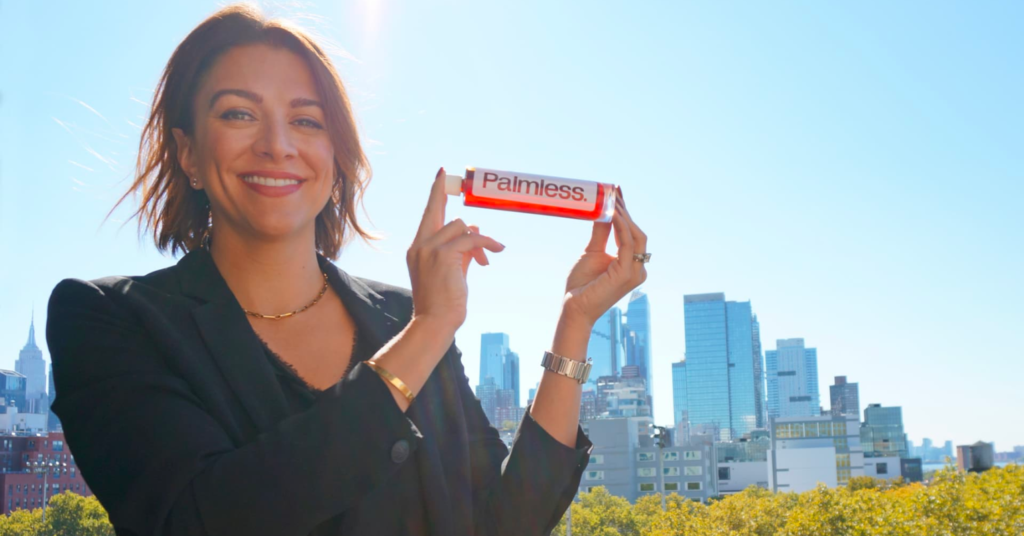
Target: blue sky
x,y
854,170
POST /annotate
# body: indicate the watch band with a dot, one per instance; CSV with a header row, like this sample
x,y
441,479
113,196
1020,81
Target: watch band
x,y
572,368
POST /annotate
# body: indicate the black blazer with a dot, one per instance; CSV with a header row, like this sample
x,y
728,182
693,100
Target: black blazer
x,y
179,426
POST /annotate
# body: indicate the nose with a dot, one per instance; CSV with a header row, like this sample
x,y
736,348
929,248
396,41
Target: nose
x,y
275,140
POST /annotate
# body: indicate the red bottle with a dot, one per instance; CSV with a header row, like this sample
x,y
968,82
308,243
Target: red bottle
x,y
534,194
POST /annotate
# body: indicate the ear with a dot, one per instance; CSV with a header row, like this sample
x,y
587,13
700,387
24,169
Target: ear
x,y
186,155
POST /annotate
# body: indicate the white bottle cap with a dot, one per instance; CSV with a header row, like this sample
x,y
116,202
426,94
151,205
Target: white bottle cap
x,y
453,184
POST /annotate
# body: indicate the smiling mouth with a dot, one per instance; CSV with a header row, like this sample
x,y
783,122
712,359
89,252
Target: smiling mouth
x,y
269,181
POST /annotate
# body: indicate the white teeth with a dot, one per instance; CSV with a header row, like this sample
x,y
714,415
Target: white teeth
x,y
267,181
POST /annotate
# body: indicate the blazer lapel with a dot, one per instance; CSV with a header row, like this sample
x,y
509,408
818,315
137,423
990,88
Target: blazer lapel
x,y
371,314
232,341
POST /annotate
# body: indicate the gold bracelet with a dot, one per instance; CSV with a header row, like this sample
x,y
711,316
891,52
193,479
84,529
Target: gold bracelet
x,y
392,379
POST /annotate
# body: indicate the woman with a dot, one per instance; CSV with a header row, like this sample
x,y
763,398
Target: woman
x,y
254,388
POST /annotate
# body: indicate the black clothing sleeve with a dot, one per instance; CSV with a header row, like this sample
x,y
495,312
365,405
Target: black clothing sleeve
x,y
525,492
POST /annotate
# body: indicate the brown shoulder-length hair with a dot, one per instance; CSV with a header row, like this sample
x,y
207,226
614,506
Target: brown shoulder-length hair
x,y
179,216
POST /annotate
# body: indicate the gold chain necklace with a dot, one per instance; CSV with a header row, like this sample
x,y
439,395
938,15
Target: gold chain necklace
x,y
293,313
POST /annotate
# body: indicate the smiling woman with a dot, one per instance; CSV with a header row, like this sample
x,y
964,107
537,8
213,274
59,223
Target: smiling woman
x,y
243,77
256,388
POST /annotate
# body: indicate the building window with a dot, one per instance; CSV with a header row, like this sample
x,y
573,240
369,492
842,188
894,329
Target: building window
x,y
596,458
58,445
671,471
671,486
882,468
646,471
724,473
842,460
691,454
645,457
646,486
693,470
595,475
670,456
693,486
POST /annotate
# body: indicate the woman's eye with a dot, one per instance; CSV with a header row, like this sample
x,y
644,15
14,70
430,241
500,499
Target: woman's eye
x,y
309,123
236,115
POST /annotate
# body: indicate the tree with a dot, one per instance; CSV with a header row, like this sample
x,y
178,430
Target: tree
x,y
67,514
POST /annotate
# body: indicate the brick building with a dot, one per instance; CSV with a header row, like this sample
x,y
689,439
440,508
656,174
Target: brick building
x,y
19,486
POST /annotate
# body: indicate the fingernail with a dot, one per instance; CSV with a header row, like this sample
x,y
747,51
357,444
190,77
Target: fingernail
x,y
440,171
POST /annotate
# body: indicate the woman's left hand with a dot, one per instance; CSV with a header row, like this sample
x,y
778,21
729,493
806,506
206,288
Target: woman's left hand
x,y
598,280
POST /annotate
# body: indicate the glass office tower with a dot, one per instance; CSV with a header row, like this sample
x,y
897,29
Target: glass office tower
x,y
638,339
845,397
493,347
723,371
882,432
792,380
679,392
606,347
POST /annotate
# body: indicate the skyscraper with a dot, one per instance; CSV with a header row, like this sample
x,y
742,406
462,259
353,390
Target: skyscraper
x,y
762,411
12,389
30,363
510,369
493,347
679,414
497,361
638,338
792,380
606,347
845,397
723,380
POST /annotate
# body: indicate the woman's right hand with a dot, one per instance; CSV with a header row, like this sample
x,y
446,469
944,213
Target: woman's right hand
x,y
439,259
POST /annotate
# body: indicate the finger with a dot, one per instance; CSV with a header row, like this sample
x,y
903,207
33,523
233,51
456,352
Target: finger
x,y
599,237
451,230
639,238
478,253
481,257
624,238
465,243
433,215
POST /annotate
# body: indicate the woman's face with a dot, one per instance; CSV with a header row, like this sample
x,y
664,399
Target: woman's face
x,y
260,147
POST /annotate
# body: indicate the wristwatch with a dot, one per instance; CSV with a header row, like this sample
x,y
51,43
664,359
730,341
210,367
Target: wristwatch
x,y
577,370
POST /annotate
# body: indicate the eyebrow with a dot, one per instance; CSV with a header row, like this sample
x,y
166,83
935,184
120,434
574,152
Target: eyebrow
x,y
298,102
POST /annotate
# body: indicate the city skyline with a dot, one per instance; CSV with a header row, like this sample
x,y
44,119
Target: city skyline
x,y
882,139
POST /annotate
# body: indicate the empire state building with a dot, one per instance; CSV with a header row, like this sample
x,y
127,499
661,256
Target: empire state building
x,y
30,363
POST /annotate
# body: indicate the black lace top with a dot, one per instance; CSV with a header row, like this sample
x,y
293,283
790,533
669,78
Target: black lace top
x,y
301,396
